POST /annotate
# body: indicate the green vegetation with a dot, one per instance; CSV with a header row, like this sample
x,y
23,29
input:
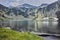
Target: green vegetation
x,y
7,34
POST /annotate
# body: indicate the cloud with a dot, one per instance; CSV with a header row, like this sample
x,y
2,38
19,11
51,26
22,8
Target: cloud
x,y
2,0
14,3
19,2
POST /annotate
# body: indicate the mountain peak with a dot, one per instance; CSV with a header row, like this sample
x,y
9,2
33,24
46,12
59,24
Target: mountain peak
x,y
43,5
27,6
2,7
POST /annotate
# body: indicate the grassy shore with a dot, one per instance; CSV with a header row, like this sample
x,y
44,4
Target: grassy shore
x,y
7,34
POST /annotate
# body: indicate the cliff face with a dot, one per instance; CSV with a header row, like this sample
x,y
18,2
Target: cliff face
x,y
51,9
3,11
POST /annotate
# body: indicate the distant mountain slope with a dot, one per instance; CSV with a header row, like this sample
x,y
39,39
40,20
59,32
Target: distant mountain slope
x,y
27,10
28,6
3,11
3,8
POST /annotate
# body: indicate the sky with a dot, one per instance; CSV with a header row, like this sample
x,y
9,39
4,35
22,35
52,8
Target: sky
x,y
20,2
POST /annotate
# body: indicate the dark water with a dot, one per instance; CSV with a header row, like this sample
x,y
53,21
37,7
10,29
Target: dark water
x,y
51,38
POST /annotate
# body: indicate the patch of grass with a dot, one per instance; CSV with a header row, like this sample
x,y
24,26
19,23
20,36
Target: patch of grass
x,y
7,34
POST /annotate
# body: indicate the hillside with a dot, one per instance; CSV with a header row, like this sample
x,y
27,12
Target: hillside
x,y
7,34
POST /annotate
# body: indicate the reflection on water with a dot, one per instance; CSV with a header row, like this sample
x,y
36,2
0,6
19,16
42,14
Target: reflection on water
x,y
58,27
45,27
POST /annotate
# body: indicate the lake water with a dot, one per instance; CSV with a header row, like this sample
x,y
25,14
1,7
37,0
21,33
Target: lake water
x,y
42,27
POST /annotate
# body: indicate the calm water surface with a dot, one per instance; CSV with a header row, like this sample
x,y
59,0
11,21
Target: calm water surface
x,y
44,27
